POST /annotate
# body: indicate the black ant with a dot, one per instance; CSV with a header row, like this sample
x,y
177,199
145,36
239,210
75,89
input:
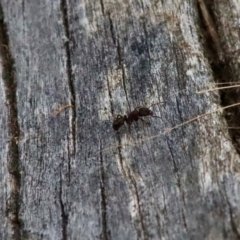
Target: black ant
x,y
135,115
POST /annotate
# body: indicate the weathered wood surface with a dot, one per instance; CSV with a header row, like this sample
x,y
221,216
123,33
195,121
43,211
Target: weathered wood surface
x,y
73,176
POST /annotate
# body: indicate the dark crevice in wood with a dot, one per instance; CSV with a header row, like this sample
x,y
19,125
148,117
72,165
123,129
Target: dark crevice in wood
x,y
178,60
232,222
13,161
179,184
125,88
69,70
102,7
119,147
223,71
112,29
146,38
187,155
126,175
149,55
103,197
120,60
142,5
179,112
114,42
128,178
110,96
159,227
69,163
175,169
120,57
234,227
164,202
165,210
139,208
211,29
184,221
181,191
64,216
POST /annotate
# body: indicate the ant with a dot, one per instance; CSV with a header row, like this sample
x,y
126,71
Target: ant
x,y
136,114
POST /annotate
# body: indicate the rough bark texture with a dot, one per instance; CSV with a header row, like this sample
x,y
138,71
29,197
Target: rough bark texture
x,y
68,69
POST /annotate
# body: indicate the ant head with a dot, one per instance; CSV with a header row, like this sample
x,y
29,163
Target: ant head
x,y
144,111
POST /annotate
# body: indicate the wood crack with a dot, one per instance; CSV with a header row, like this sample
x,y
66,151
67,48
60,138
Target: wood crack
x,y
69,163
112,29
13,158
110,95
64,10
146,42
211,28
232,222
103,196
139,209
179,184
64,216
126,171
120,57
102,7
119,51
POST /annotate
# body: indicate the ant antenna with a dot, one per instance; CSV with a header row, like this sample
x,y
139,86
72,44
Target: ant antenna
x,y
156,104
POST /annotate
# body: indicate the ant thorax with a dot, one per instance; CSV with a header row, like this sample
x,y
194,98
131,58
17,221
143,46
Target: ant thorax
x,y
133,116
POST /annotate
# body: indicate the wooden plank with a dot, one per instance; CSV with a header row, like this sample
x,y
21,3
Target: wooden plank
x,y
78,65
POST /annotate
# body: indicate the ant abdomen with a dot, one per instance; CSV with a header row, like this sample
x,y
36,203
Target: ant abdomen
x,y
119,121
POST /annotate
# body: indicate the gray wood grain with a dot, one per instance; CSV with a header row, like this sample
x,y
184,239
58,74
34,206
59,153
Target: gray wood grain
x,y
78,64
3,169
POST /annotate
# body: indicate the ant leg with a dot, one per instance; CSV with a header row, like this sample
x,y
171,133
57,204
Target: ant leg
x,y
156,117
145,122
129,128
